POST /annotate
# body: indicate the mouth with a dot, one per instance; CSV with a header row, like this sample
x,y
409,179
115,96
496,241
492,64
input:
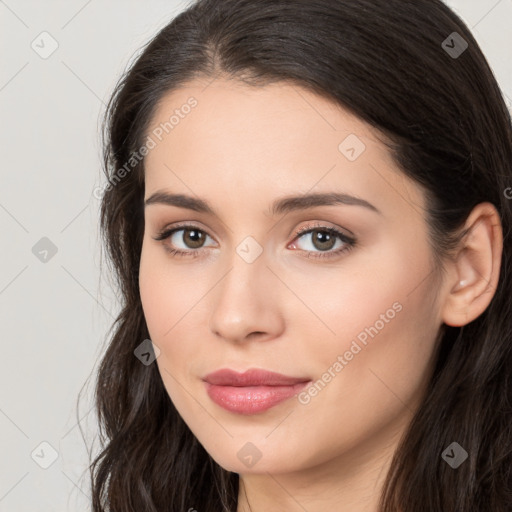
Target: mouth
x,y
253,391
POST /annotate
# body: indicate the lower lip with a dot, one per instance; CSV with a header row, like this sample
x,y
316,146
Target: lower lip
x,y
251,399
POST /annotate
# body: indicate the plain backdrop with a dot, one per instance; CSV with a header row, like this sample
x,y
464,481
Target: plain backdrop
x,y
54,308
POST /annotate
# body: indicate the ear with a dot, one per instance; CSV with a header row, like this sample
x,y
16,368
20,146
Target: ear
x,y
474,272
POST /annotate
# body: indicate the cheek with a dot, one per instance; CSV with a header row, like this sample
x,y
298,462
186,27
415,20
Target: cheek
x,y
163,292
377,365
366,288
171,302
154,299
163,308
385,325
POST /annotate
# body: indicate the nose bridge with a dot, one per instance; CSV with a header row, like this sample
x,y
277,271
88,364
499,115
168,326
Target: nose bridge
x,y
242,303
240,286
247,262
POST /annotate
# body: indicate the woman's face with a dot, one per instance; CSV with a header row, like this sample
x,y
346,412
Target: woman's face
x,y
354,325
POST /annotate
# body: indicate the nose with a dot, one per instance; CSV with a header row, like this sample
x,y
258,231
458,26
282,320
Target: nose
x,y
245,303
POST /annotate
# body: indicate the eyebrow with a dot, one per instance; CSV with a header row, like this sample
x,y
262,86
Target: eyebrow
x,y
282,205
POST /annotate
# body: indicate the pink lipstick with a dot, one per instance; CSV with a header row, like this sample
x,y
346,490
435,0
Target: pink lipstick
x,y
253,391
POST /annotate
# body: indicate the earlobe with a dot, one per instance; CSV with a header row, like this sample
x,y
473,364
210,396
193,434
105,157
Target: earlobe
x,y
476,268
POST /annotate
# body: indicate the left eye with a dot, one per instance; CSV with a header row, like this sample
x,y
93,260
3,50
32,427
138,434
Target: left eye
x,y
321,239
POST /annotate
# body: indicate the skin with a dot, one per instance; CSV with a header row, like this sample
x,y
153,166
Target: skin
x,y
240,149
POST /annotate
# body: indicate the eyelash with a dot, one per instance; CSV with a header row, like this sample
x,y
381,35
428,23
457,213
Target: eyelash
x,y
194,253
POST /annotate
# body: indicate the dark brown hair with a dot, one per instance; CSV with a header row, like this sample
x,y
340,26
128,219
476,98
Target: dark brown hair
x,y
447,127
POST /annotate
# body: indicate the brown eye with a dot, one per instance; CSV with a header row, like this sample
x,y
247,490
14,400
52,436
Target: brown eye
x,y
183,240
193,238
323,240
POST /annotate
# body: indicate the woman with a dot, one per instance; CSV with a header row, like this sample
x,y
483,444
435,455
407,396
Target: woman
x,y
308,216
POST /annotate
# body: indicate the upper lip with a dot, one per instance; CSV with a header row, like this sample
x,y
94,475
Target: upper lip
x,y
252,377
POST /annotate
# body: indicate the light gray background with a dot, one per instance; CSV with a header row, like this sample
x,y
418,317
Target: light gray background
x,y
54,314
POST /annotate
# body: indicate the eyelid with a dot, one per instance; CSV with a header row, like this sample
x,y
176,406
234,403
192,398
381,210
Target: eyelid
x,y
321,225
176,226
295,231
169,230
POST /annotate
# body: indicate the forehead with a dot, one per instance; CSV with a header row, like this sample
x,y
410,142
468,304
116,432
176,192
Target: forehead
x,y
229,137
273,116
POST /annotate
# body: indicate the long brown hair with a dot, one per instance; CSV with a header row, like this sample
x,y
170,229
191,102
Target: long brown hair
x,y
439,105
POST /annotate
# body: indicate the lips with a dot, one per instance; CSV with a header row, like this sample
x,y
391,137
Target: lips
x,y
253,377
253,391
